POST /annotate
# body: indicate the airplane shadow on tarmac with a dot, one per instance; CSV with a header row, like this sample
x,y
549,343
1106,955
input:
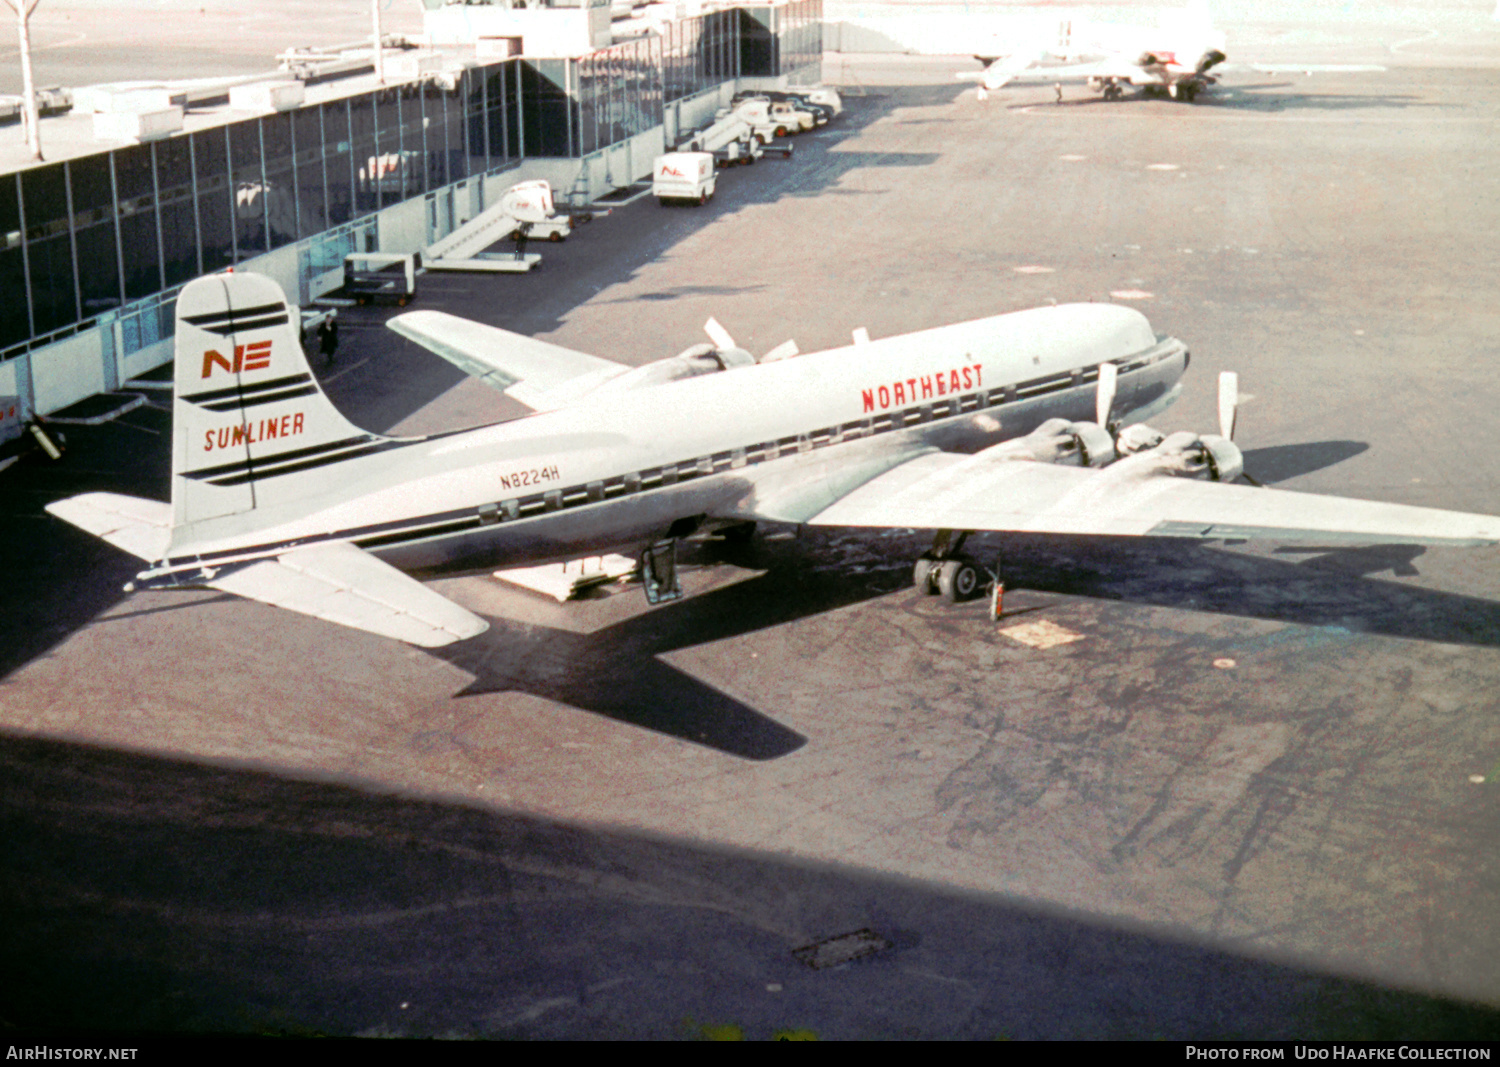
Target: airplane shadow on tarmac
x,y
617,671
154,896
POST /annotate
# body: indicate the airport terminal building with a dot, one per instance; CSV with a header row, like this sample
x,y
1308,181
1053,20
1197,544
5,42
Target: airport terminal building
x,y
99,239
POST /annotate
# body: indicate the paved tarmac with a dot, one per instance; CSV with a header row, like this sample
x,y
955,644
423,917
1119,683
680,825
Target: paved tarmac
x,y
1255,796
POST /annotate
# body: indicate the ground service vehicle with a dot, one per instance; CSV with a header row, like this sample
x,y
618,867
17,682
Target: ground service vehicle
x,y
371,276
686,176
767,121
820,112
730,139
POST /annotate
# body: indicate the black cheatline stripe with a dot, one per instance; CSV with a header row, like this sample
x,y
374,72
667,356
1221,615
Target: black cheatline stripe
x,y
247,390
257,473
421,533
256,401
240,325
393,533
230,319
233,312
296,453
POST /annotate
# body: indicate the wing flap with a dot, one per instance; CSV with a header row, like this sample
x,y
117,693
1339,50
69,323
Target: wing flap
x,y
944,491
141,527
346,585
540,375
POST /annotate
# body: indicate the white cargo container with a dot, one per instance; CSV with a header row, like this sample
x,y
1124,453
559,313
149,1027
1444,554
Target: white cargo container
x,y
683,176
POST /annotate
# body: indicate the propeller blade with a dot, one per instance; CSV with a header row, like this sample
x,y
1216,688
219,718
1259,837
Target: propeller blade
x,y
718,335
785,350
1229,402
1105,399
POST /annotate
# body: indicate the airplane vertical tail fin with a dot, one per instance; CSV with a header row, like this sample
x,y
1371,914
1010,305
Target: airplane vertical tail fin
x,y
251,425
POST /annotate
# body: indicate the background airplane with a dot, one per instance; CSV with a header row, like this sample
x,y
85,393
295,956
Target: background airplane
x,y
1019,422
1176,56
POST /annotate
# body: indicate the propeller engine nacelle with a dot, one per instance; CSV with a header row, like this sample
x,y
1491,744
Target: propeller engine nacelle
x,y
706,357
1076,444
1184,454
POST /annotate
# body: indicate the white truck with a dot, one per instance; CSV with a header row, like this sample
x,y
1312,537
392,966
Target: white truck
x,y
683,176
770,119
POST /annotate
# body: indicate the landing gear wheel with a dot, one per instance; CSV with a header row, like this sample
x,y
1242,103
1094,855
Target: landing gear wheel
x,y
958,580
554,237
921,575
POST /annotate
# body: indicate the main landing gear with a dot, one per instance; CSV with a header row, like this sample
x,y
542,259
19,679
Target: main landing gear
x,y
946,571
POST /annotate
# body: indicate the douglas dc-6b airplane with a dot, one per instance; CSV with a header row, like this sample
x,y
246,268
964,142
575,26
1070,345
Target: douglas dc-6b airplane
x,y
1176,56
1004,423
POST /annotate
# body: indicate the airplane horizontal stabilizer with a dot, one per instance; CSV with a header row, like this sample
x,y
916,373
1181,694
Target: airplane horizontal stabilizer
x,y
344,584
141,527
946,491
540,375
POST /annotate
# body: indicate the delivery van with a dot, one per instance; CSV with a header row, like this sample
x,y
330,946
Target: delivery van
x,y
683,176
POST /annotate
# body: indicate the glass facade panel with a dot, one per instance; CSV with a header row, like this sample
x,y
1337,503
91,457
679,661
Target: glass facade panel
x,y
281,185
499,86
179,228
437,102
758,42
216,202
312,197
134,184
338,162
388,167
15,317
476,133
362,145
802,42
514,130
94,234
44,199
544,107
413,142
249,189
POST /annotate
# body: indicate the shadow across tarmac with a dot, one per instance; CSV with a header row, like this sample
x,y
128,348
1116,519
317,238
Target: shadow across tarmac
x,y
617,670
152,895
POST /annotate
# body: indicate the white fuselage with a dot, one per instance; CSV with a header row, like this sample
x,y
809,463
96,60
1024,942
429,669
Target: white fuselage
x,y
779,440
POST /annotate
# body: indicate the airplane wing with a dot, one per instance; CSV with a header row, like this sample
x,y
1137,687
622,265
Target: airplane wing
x,y
946,491
1026,69
141,527
540,375
1002,71
344,584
